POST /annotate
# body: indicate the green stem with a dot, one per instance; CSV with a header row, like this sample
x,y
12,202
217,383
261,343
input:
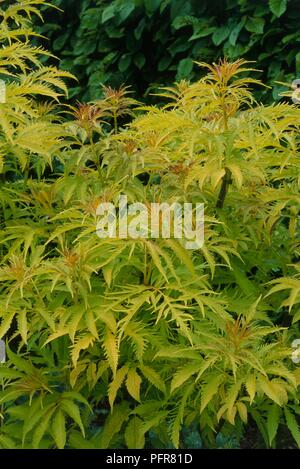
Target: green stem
x,y
148,268
225,116
115,123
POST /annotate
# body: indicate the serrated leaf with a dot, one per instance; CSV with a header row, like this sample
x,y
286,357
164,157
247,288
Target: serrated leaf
x,y
34,415
216,176
153,422
242,410
42,428
59,429
111,350
77,397
236,174
9,373
177,421
293,425
133,384
181,253
22,325
116,384
114,423
182,375
273,422
20,363
6,323
72,410
10,395
251,387
209,390
134,434
273,390
153,377
107,317
81,344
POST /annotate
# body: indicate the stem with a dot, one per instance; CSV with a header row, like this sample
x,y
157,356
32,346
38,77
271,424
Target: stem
x,y
148,268
26,173
225,116
98,164
99,169
224,188
115,123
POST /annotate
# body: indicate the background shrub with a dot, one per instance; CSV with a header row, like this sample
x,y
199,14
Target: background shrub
x,y
146,42
141,342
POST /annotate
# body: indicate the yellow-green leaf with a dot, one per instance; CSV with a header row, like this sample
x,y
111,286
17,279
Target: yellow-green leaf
x,y
59,429
134,434
133,384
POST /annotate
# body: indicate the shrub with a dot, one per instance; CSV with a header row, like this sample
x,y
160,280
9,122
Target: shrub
x,y
149,42
141,342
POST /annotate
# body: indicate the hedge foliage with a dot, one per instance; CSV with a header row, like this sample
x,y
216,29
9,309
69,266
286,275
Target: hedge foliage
x,y
131,342
149,42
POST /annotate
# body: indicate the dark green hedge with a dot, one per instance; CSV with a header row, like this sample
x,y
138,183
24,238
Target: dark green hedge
x,y
149,42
